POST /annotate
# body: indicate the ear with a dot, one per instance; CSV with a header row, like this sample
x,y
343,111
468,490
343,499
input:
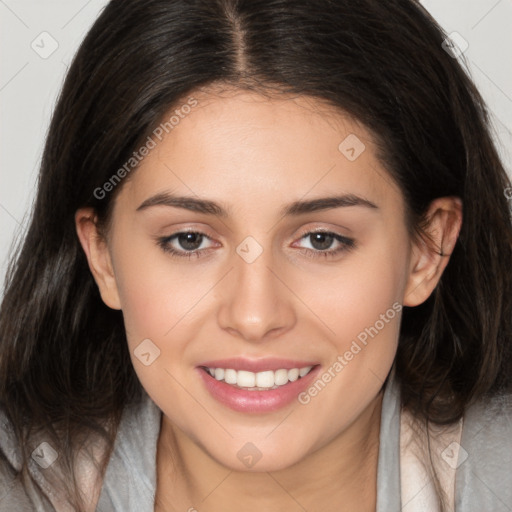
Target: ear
x,y
430,257
98,256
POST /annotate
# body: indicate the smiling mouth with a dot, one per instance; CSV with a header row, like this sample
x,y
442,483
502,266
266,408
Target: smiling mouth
x,y
259,381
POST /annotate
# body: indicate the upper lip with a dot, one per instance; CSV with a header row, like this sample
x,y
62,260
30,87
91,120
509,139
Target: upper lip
x,y
257,365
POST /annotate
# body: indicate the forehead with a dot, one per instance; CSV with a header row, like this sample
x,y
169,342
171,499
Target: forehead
x,y
240,146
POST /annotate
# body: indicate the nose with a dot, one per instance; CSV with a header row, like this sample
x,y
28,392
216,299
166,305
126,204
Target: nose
x,y
256,303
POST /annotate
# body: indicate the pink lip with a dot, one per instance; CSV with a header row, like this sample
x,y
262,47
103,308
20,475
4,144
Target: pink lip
x,y
257,365
256,401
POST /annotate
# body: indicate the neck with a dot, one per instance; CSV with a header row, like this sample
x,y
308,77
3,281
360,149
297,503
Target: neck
x,y
341,475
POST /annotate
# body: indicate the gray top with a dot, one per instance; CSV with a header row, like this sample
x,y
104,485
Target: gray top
x,y
483,481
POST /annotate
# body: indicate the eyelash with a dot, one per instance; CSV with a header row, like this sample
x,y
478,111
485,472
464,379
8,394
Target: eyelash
x,y
347,244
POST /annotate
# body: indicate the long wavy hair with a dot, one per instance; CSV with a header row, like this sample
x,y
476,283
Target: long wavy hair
x,y
64,362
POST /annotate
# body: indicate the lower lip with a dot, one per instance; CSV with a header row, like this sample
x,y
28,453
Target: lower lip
x,y
256,401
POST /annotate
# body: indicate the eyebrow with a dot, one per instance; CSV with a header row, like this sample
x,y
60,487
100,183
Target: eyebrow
x,y
295,208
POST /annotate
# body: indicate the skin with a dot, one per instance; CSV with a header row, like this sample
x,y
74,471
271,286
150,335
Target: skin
x,y
253,155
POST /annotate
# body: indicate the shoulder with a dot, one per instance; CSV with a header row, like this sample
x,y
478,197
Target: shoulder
x,y
130,479
13,495
484,479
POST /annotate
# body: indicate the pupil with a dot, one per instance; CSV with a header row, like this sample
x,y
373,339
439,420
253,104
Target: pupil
x,y
190,241
325,240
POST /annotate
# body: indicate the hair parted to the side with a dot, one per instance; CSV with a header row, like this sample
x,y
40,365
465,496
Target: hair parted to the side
x,y
64,363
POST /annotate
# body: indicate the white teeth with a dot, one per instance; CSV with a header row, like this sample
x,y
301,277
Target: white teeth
x,y
245,379
230,376
304,371
265,380
281,377
293,374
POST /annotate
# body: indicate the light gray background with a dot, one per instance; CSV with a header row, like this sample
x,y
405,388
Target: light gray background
x,y
30,81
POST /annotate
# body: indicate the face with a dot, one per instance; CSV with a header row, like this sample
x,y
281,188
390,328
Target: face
x,y
290,257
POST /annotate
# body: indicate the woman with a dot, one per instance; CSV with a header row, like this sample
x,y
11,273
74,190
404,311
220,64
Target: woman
x,y
167,339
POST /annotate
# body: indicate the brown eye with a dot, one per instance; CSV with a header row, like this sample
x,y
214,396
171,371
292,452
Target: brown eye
x,y
184,244
189,241
321,241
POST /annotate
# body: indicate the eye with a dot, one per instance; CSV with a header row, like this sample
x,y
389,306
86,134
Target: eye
x,y
322,241
184,244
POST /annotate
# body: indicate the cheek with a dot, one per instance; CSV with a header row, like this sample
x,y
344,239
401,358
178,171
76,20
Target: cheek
x,y
156,295
159,303
358,294
361,305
